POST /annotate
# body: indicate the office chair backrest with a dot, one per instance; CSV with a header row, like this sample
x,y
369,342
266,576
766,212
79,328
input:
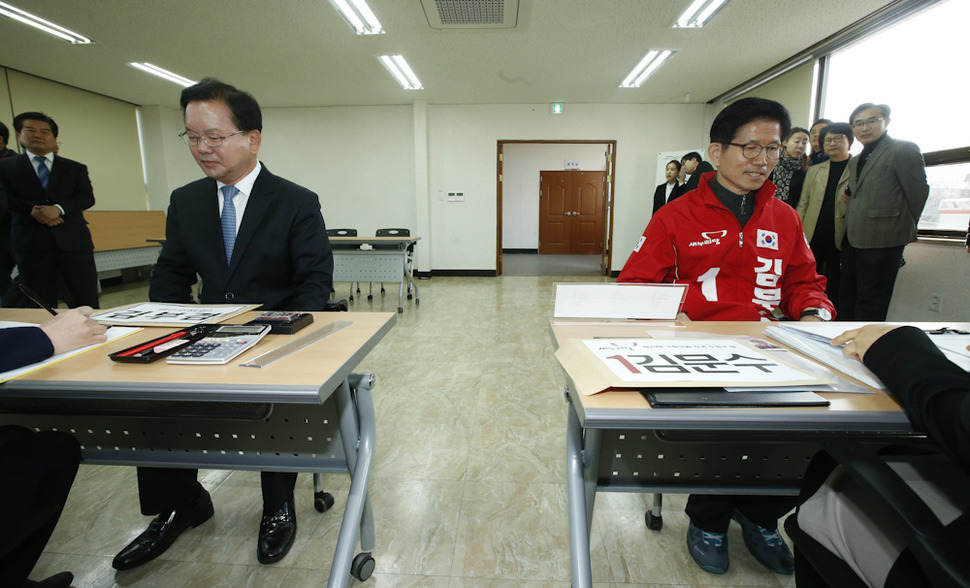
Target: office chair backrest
x,y
392,233
341,232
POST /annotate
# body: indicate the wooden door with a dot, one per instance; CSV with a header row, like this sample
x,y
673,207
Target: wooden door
x,y
555,207
571,212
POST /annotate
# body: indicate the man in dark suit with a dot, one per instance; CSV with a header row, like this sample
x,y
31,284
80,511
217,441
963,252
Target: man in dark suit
x,y
7,262
887,191
253,238
694,167
46,196
37,469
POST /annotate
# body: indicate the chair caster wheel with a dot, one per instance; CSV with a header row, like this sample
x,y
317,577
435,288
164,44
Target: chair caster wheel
x,y
362,566
654,523
410,296
322,501
370,296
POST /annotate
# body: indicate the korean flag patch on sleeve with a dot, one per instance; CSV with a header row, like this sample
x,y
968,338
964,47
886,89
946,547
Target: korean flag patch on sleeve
x,y
768,239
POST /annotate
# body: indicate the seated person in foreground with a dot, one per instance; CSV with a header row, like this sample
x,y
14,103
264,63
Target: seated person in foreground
x,y
37,469
744,256
935,393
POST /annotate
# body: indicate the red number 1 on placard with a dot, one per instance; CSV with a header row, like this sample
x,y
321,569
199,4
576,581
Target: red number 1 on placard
x,y
626,363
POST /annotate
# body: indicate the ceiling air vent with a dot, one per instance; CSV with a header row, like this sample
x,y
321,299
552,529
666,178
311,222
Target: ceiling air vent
x,y
471,14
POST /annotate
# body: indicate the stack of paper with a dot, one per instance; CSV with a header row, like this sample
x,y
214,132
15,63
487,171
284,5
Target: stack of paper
x,y
814,342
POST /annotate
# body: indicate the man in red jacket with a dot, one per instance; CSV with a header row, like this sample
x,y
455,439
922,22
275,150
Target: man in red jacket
x,y
744,256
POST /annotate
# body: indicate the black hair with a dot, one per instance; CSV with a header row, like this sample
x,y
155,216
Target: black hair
x,y
675,162
737,114
839,128
18,121
883,108
821,121
246,114
5,133
692,155
795,130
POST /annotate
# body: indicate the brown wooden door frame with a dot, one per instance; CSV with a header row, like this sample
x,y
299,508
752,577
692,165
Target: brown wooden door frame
x,y
610,184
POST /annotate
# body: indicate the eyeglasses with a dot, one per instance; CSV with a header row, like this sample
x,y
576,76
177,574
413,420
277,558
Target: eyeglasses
x,y
834,139
861,124
210,140
752,150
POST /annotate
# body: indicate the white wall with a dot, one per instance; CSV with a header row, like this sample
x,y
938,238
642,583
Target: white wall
x,y
463,143
522,163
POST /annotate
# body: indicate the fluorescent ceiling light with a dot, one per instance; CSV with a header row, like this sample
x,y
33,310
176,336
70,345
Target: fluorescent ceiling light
x,y
649,64
44,25
698,13
401,71
359,16
163,73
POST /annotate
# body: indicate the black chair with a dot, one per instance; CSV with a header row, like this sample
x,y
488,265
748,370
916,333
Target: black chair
x,y
346,233
934,548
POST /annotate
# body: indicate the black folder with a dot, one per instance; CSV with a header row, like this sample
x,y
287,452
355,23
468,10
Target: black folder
x,y
719,397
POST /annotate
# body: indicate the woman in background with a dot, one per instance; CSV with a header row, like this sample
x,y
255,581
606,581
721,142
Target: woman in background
x,y
822,207
670,189
789,173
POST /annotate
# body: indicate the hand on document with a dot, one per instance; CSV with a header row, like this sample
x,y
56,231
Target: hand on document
x,y
856,342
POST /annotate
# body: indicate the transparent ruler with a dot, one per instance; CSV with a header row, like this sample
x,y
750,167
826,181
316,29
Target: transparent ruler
x,y
284,350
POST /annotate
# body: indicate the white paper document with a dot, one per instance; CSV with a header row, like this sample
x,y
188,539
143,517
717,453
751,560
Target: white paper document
x,y
158,314
814,342
698,362
619,301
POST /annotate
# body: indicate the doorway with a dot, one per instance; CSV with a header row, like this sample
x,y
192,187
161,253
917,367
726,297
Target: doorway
x,y
565,213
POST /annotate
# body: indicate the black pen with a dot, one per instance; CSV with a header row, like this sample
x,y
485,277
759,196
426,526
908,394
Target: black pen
x,y
29,293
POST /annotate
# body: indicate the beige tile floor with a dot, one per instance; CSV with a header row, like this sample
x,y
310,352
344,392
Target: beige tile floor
x,y
468,485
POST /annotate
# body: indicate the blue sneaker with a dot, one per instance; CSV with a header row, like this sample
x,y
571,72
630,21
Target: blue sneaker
x,y
709,550
766,546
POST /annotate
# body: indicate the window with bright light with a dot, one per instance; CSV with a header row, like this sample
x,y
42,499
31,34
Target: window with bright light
x,y
917,67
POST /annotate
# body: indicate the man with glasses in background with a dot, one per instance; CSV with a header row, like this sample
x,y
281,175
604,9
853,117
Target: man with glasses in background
x,y
46,195
744,256
253,238
886,194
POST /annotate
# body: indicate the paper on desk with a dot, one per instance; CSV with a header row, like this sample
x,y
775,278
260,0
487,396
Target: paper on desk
x,y
112,333
156,314
599,364
814,342
619,301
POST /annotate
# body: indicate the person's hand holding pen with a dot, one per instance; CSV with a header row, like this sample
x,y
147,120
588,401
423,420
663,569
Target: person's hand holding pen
x,y
74,328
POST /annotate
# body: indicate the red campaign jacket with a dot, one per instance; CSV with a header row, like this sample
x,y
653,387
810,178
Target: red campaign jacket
x,y
732,275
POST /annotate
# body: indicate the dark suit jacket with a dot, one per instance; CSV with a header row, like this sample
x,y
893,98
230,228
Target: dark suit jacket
x,y
69,186
22,346
691,184
282,257
888,197
660,195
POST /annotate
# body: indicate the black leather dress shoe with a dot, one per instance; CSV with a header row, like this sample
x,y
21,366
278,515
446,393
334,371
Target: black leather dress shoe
x,y
162,532
276,534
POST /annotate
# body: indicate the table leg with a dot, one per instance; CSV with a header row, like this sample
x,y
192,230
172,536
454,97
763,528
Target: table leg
x,y
580,513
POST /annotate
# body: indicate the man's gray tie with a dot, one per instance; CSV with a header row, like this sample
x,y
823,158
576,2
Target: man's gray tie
x,y
43,174
229,219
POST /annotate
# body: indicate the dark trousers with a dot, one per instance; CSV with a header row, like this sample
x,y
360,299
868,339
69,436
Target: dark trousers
x,y
828,262
162,489
868,277
40,270
712,512
36,473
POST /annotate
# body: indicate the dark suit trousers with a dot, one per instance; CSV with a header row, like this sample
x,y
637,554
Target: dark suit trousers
x,y
40,270
868,277
36,473
162,489
712,513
